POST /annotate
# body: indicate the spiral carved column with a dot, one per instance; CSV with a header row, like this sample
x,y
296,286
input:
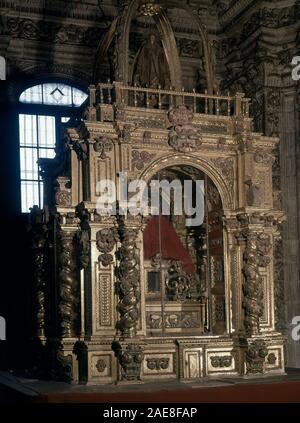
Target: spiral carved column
x,y
67,287
258,246
39,238
128,288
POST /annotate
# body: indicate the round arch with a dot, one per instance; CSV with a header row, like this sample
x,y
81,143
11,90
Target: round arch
x,y
198,163
122,39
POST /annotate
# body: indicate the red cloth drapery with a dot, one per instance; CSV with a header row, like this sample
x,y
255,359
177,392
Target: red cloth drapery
x,y
171,245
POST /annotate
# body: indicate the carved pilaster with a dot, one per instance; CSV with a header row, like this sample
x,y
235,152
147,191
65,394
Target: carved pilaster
x,y
67,283
128,274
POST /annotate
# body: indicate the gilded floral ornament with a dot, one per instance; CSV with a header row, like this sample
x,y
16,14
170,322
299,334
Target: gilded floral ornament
x,y
150,9
183,136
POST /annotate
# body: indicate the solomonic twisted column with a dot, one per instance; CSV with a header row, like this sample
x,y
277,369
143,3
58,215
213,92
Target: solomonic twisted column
x,y
67,287
38,231
128,273
258,246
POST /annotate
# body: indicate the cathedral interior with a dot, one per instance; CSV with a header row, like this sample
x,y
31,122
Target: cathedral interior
x,y
173,90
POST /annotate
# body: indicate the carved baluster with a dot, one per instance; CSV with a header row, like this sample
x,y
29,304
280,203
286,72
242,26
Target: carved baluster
x,y
159,97
109,92
238,104
195,100
183,96
92,90
147,98
135,95
228,104
206,103
217,106
171,99
101,94
246,104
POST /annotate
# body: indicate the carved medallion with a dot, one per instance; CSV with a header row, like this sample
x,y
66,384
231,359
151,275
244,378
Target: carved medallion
x,y
221,361
103,145
157,363
140,158
101,365
183,136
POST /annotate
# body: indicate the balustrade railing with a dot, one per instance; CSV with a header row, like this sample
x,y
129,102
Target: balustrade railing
x,y
161,99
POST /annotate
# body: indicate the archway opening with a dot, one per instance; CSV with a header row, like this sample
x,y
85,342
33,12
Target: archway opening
x,y
184,255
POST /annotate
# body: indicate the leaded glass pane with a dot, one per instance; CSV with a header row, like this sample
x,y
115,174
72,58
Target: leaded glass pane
x,y
78,97
32,95
28,163
46,131
47,153
30,195
28,130
57,94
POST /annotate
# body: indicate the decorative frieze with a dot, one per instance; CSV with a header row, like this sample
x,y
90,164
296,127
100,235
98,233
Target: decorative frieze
x,y
50,31
174,320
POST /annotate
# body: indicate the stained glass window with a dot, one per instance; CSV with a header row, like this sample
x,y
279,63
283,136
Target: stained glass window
x,y
53,94
37,134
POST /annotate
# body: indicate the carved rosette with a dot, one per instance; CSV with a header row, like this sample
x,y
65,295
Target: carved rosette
x,y
67,278
128,287
221,361
38,243
256,255
255,356
154,363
